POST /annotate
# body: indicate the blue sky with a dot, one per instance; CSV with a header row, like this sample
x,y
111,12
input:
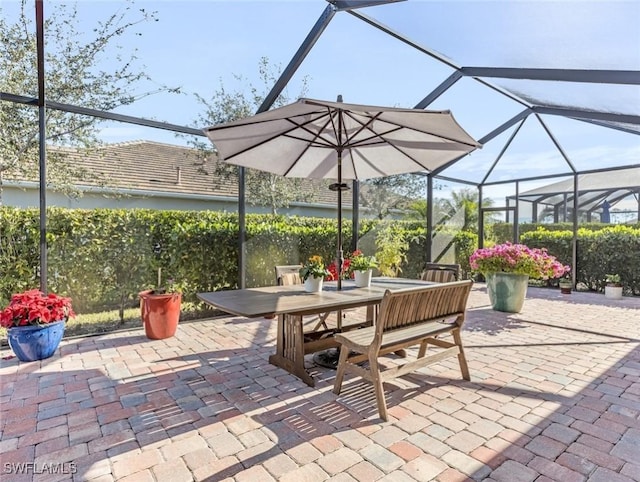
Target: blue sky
x,y
198,45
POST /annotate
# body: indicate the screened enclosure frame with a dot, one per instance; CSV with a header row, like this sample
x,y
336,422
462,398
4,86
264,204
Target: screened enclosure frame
x,y
627,123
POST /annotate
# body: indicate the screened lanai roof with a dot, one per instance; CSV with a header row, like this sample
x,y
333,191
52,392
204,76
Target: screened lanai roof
x,y
545,86
560,65
593,190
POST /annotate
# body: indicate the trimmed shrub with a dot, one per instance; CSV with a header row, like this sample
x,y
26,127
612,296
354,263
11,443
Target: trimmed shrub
x,y
613,249
102,258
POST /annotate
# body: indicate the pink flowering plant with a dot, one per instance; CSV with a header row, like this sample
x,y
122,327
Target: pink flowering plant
x,y
35,308
517,259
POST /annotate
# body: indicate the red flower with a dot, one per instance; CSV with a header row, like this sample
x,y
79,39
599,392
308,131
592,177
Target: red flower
x,y
34,308
333,270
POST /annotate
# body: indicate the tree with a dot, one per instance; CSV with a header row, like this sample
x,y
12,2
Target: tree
x,y
417,210
463,206
385,194
263,188
73,76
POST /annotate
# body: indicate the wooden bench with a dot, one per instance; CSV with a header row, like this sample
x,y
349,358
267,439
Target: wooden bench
x,y
407,317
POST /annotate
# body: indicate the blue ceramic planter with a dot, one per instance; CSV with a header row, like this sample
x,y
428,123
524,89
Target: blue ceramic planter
x,y
507,291
35,342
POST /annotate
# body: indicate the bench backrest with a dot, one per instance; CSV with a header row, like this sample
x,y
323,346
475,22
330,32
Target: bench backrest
x,y
409,306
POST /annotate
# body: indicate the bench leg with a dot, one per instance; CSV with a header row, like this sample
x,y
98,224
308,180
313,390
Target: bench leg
x,y
424,346
464,368
376,379
342,365
423,349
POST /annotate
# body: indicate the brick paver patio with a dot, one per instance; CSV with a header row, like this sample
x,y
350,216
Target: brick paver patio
x,y
554,395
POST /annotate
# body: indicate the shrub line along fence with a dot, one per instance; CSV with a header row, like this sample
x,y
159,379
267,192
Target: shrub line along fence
x,y
103,257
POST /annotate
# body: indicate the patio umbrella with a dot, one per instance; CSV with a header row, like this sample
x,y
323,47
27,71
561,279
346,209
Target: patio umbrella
x,y
320,139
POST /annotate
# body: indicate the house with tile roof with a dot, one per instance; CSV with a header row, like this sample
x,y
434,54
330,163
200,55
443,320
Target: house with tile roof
x,y
153,175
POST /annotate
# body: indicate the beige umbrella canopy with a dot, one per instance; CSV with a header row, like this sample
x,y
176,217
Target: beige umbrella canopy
x,y
333,140
313,139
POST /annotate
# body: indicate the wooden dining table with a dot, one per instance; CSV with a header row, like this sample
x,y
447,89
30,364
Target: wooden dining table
x,y
290,303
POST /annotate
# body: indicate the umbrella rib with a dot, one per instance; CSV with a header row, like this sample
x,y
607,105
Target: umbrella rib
x,y
237,124
398,127
317,136
295,126
311,142
381,139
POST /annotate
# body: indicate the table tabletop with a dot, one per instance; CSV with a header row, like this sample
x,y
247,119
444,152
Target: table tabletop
x,y
276,300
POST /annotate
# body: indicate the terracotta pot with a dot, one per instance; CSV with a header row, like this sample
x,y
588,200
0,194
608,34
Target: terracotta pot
x,y
160,313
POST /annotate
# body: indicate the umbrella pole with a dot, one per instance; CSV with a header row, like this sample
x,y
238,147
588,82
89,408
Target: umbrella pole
x,y
339,253
329,358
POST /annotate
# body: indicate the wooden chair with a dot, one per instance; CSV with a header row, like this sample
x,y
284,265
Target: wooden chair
x,y
441,273
407,317
287,275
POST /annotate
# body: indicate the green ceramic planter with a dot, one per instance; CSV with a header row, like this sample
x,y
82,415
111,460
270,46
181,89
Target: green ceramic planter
x,y
507,291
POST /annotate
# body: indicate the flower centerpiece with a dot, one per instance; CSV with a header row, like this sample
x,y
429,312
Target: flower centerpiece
x,y
360,262
363,267
35,323
507,269
313,273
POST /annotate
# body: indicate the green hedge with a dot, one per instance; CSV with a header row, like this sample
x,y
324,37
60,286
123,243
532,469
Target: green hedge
x,y
613,249
103,257
503,232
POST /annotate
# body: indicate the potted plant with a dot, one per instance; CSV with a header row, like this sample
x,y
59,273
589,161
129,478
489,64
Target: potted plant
x,y
362,267
613,288
313,273
565,285
160,310
391,251
35,323
507,269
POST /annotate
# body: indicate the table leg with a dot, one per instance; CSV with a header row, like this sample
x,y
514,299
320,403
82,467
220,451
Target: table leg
x,y
372,311
290,348
280,336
